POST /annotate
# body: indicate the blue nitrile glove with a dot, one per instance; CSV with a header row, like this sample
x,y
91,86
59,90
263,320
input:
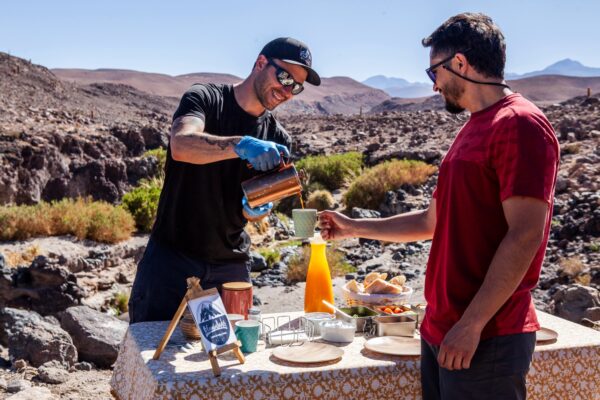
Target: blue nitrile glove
x,y
256,212
262,154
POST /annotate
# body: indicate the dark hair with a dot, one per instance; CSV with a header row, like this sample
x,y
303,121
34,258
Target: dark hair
x,y
476,32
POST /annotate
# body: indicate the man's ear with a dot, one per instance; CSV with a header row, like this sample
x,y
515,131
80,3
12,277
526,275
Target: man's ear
x,y
261,62
462,60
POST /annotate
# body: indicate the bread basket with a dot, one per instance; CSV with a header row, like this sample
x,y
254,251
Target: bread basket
x,y
353,299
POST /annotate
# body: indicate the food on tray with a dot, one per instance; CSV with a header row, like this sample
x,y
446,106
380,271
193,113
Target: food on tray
x,y
379,286
394,309
375,283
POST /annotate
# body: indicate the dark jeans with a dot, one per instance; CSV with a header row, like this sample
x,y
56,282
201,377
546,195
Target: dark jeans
x,y
160,281
498,370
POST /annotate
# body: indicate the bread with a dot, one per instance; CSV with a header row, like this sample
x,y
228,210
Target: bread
x,y
354,286
379,286
399,280
370,278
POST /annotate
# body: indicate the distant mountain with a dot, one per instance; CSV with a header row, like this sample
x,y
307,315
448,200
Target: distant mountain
x,y
566,67
336,95
542,90
158,84
382,82
398,87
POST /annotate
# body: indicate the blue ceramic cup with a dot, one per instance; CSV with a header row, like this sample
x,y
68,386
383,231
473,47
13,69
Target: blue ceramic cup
x,y
247,332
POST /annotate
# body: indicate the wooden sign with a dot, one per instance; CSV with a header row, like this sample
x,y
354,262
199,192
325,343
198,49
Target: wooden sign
x,y
212,321
211,318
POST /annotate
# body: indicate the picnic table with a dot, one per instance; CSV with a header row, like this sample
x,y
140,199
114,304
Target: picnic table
x,y
568,368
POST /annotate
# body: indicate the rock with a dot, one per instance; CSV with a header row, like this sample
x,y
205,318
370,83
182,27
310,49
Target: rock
x,y
364,213
17,385
33,393
3,384
83,366
52,375
32,338
45,287
97,336
20,364
592,313
571,302
257,262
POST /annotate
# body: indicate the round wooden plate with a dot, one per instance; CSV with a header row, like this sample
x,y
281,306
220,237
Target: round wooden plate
x,y
394,345
308,352
545,335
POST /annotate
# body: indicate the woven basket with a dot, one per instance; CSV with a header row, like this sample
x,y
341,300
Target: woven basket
x,y
366,299
188,326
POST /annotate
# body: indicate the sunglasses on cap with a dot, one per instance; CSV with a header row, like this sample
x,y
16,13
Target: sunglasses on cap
x,y
285,78
431,71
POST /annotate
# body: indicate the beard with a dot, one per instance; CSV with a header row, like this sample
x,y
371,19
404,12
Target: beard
x,y
452,92
261,90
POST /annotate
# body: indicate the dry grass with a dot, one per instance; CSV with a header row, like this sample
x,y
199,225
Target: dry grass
x,y
368,190
298,265
572,266
25,257
320,200
83,218
570,148
257,228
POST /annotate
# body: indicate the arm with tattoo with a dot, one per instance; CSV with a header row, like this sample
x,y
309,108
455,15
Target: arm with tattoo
x,y
189,142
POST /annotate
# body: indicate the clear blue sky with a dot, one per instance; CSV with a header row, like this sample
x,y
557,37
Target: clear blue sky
x,y
349,38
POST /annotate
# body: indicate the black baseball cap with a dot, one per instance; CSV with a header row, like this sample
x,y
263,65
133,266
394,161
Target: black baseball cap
x,y
294,52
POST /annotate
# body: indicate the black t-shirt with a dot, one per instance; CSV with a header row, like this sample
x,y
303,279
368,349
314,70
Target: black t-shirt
x,y
200,206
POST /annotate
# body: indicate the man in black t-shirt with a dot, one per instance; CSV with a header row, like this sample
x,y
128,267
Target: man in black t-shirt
x,y
217,130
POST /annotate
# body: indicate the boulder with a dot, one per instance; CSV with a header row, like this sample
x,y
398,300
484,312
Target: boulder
x,y
571,302
34,339
52,375
257,262
17,385
46,287
33,393
97,336
364,213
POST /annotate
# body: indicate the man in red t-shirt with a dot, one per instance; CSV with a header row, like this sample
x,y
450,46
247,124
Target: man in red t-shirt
x,y
489,220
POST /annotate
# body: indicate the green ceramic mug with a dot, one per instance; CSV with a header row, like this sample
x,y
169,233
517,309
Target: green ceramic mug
x,y
247,332
305,220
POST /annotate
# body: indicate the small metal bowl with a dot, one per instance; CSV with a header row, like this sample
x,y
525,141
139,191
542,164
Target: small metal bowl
x,y
395,325
360,315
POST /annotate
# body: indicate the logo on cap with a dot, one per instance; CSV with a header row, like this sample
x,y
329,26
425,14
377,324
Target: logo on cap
x,y
306,57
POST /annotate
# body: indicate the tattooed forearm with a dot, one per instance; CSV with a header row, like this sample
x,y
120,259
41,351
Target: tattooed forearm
x,y
222,143
189,142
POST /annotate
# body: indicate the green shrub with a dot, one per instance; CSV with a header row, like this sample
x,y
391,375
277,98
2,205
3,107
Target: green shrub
x,y
321,200
120,303
331,171
336,259
83,218
142,203
272,256
368,190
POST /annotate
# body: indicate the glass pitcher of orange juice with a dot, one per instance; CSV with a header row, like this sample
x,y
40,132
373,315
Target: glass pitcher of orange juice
x,y
318,279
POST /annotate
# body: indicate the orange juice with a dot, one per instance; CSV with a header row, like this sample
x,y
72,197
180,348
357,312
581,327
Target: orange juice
x,y
318,279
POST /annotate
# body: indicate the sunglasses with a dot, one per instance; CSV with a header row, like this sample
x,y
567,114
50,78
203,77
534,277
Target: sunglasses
x,y
431,71
285,78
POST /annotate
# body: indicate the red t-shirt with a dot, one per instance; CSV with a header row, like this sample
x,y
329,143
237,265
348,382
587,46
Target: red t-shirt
x,y
508,149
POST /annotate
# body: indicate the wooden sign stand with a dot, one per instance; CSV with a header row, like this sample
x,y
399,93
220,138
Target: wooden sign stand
x,y
194,290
